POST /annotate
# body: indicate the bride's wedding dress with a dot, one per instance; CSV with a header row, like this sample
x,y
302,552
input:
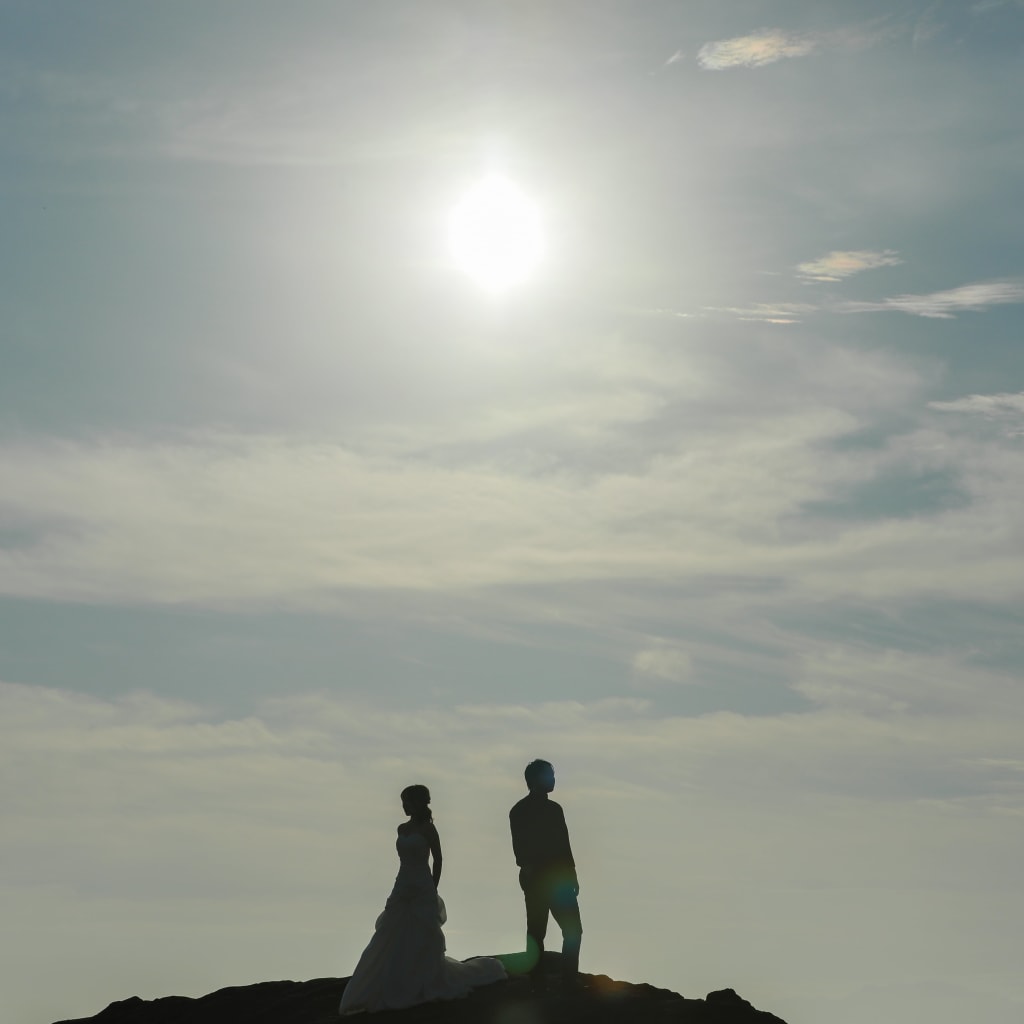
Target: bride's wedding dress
x,y
405,962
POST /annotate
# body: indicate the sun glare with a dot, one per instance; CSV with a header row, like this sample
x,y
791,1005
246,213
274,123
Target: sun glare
x,y
495,234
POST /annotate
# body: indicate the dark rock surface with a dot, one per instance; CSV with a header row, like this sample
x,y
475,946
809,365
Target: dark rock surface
x,y
596,1000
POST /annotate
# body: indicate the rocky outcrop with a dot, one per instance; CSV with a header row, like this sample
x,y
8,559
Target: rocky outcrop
x,y
597,999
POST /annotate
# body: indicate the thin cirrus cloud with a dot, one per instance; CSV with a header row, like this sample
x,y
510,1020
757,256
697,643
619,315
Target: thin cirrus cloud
x,y
985,405
755,50
1006,409
768,312
968,298
944,305
844,263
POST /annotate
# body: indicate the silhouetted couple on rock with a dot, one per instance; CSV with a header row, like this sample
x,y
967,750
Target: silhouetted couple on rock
x,y
405,962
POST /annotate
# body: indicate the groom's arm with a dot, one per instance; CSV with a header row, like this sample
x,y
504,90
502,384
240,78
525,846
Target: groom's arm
x,y
517,837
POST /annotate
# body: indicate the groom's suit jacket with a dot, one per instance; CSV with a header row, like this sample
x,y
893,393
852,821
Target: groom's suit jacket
x,y
540,838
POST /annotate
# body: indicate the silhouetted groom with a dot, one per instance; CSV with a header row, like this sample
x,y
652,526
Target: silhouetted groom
x,y
547,871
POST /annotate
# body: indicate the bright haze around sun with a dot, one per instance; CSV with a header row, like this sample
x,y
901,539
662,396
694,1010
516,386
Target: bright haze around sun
x,y
495,234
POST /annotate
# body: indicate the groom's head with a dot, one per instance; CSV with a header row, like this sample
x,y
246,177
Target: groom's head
x,y
540,776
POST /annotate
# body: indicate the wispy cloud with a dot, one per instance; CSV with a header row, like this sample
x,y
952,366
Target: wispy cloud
x,y
157,524
755,50
986,405
843,263
147,520
662,663
1006,409
879,682
768,312
968,298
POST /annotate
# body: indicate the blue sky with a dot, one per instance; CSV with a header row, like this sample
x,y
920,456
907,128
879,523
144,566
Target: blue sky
x,y
719,511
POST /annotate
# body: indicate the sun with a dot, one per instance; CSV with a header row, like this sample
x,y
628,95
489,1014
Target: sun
x,y
495,234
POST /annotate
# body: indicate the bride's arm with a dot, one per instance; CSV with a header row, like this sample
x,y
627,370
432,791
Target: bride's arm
x,y
435,853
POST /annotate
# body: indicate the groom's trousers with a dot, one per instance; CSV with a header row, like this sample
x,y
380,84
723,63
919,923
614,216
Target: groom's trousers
x,y
553,892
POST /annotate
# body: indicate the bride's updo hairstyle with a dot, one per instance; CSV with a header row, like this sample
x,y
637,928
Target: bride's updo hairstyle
x,y
418,798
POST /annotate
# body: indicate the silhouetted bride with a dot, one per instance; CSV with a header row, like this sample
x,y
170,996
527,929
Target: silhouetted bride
x,y
405,962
